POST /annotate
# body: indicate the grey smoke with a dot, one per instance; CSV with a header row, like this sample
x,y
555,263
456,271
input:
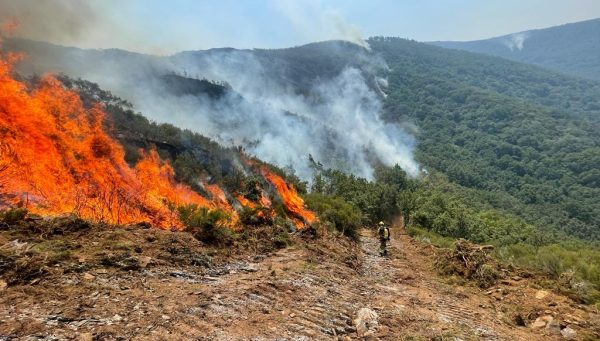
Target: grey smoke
x,y
50,20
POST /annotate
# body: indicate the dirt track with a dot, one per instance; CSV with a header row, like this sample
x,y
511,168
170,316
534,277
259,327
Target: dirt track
x,y
309,291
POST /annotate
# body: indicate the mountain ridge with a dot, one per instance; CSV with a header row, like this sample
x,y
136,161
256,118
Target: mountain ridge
x,y
570,48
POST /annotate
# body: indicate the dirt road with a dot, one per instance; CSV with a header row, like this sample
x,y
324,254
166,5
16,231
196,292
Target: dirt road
x,y
311,291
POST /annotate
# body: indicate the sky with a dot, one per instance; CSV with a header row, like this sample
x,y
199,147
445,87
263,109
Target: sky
x,y
168,26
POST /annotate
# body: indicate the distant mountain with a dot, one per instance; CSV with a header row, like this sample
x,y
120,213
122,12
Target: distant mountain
x,y
572,48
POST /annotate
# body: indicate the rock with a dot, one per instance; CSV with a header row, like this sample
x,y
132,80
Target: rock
x,y
554,326
181,275
88,276
541,294
251,267
3,285
366,319
117,318
86,337
144,261
292,315
101,272
538,324
568,333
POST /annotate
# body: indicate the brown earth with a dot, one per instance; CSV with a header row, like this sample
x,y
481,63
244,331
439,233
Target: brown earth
x,y
105,283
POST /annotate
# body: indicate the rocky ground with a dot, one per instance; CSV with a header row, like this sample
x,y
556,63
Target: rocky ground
x,y
105,283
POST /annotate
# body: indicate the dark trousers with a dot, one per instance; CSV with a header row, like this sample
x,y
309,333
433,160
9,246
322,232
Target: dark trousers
x,y
383,246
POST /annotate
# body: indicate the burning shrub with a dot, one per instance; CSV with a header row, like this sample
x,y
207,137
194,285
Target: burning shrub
x,y
56,157
256,216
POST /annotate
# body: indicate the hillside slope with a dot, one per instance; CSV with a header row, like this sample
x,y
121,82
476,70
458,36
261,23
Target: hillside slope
x,y
518,137
571,49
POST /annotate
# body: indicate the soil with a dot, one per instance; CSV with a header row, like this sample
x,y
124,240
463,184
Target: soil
x,y
106,283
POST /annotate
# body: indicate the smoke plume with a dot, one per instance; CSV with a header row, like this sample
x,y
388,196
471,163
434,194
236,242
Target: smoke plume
x,y
50,20
338,122
317,22
516,41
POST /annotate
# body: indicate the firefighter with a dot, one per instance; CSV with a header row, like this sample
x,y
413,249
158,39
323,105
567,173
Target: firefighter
x,y
384,236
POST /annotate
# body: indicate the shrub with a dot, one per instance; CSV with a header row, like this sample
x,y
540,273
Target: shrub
x,y
14,215
208,226
256,216
469,261
336,213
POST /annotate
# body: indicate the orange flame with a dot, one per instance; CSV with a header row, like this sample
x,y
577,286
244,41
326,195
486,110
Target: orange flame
x,y
245,202
219,199
292,202
55,158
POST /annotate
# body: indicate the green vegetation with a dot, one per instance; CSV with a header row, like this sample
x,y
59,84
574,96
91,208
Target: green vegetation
x,y
515,138
12,216
208,226
336,213
440,212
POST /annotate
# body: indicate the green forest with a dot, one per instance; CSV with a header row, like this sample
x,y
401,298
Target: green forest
x,y
511,136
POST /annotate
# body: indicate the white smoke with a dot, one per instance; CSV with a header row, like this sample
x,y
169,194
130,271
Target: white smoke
x,y
516,40
338,124
317,22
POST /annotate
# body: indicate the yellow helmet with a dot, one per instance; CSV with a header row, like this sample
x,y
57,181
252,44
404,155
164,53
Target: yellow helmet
x,y
381,223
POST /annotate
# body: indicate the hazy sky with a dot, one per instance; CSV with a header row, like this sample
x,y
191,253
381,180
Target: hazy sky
x,y
165,26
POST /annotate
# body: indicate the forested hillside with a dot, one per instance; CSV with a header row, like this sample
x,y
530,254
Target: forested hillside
x,y
571,49
512,136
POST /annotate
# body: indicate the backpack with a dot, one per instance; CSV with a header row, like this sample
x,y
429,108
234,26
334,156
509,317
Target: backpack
x,y
384,232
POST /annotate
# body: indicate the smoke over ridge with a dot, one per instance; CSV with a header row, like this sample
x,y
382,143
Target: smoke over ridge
x,y
338,122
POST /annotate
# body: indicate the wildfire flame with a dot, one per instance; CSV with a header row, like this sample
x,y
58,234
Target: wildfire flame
x,y
219,199
55,158
292,202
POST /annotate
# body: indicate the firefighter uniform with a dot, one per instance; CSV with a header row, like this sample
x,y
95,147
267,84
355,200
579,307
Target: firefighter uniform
x,y
384,236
